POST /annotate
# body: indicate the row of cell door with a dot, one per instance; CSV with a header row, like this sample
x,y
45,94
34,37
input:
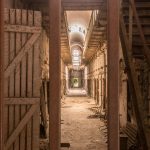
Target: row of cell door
x,y
97,90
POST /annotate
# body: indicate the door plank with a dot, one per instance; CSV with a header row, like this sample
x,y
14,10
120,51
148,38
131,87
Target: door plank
x,y
21,101
30,80
23,60
22,29
36,82
12,75
24,50
17,76
6,62
21,126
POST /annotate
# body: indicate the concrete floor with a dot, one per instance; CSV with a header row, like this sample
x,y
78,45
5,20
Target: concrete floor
x,y
79,126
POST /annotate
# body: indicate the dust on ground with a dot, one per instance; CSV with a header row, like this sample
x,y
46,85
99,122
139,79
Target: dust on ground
x,y
80,126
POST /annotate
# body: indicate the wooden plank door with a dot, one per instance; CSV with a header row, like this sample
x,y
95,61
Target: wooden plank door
x,y
22,79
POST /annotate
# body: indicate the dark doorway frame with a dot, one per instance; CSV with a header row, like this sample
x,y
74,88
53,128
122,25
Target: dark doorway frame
x,y
113,71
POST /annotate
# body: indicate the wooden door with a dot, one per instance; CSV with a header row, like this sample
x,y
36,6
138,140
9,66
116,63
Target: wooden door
x,y
22,79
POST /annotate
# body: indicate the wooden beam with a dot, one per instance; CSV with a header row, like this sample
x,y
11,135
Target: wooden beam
x,y
130,28
82,1
134,86
54,73
21,28
21,54
1,71
113,74
82,4
141,4
146,49
21,101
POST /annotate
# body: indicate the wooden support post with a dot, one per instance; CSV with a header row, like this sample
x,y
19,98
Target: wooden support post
x,y
54,73
134,86
113,72
130,28
139,27
1,74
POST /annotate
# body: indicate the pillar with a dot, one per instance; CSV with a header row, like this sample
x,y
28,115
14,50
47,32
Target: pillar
x,y
1,73
54,73
113,74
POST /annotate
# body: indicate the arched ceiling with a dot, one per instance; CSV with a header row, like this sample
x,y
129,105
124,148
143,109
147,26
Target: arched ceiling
x,y
80,17
78,20
78,23
76,12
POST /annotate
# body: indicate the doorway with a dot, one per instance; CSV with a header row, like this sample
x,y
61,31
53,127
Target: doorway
x,y
54,86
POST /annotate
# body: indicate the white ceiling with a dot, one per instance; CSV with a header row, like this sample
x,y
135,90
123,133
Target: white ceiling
x,y
79,17
78,22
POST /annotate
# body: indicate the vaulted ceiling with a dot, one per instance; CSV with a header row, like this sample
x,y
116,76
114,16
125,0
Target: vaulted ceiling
x,y
87,16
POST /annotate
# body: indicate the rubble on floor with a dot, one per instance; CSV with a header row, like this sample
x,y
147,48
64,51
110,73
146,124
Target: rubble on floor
x,y
81,126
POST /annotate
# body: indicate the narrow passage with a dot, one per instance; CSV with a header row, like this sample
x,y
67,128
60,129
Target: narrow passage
x,y
81,127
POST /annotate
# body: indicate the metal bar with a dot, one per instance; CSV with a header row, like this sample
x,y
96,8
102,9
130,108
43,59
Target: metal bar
x,y
54,72
1,72
113,74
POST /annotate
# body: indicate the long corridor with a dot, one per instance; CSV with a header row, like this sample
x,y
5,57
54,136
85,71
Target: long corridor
x,y
81,125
